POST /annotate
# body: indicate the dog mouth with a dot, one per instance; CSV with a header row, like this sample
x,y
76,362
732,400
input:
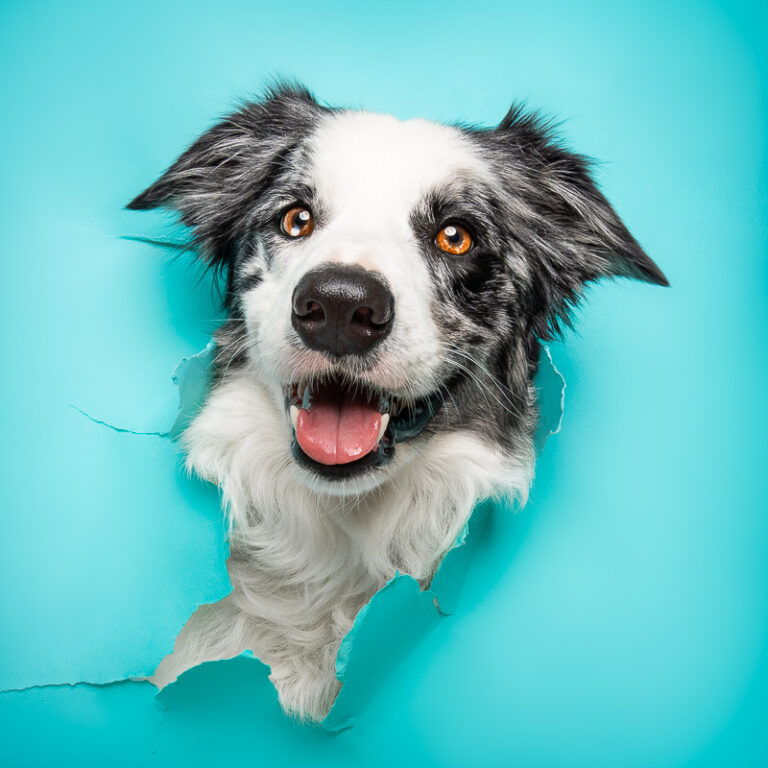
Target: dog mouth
x,y
342,428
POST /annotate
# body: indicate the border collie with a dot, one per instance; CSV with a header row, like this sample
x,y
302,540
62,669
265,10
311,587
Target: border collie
x,y
389,285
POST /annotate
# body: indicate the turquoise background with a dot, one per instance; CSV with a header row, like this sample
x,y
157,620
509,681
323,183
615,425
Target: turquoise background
x,y
620,619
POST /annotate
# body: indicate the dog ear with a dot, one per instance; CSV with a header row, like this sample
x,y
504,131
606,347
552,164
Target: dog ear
x,y
563,223
214,184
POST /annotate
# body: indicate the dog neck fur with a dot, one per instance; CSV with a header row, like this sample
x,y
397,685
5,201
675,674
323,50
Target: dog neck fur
x,y
304,560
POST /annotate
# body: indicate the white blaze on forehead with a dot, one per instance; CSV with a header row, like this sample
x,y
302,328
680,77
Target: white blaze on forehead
x,y
378,167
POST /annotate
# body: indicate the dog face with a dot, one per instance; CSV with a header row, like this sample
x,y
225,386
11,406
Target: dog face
x,y
389,281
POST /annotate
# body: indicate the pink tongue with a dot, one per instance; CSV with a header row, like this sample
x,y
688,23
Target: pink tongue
x,y
337,429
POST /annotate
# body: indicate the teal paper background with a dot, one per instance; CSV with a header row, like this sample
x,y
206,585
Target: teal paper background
x,y
621,618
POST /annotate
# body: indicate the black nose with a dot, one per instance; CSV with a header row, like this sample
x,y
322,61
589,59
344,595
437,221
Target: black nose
x,y
342,310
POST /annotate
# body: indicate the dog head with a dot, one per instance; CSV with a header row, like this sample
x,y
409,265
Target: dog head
x,y
388,281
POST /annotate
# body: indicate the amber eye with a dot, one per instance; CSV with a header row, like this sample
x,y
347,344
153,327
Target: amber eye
x,y
454,239
297,221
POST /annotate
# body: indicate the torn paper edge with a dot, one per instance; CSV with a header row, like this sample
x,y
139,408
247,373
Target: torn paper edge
x,y
192,377
343,714
548,380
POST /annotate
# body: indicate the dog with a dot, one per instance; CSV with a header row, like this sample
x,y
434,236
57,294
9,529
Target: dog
x,y
389,285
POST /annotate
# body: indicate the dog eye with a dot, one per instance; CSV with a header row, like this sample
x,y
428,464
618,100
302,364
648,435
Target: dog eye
x,y
297,221
454,239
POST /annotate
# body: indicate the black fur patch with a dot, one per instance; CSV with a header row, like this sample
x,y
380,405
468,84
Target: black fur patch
x,y
217,184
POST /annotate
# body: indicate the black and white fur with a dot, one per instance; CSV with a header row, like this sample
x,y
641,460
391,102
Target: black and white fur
x,y
307,552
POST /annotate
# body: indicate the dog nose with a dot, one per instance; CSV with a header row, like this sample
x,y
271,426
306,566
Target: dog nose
x,y
342,310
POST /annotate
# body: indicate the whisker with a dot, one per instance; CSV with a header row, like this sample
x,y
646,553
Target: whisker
x,y
508,405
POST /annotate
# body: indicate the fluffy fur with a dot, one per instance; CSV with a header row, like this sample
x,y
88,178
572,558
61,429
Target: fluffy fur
x,y
308,551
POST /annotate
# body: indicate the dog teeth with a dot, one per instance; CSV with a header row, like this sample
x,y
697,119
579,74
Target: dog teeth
x,y
383,427
294,415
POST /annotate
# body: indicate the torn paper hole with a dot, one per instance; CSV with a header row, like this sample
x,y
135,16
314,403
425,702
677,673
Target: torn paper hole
x,y
400,613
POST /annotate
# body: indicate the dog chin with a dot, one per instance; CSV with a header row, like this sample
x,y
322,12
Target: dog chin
x,y
360,480
354,485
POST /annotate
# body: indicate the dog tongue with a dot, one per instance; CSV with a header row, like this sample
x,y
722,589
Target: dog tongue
x,y
340,426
